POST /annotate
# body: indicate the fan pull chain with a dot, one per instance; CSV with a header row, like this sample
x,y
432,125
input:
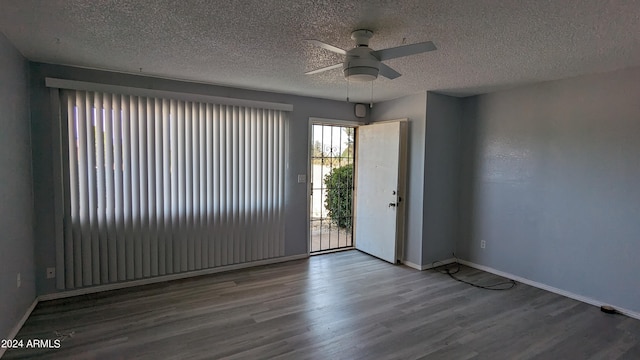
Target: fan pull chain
x,y
371,102
348,82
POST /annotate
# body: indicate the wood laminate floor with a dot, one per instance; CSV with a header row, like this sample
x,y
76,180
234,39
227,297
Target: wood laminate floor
x,y
346,305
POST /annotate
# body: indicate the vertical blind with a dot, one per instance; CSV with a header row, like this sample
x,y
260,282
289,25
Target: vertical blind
x,y
159,186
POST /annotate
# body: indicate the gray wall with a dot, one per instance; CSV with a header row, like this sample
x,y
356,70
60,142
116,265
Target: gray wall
x,y
441,177
296,241
433,172
412,107
16,200
551,183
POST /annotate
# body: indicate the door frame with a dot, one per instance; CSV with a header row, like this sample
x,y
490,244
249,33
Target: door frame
x,y
319,121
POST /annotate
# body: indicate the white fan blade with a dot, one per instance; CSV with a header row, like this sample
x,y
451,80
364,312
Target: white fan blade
x,y
404,50
324,69
327,46
388,72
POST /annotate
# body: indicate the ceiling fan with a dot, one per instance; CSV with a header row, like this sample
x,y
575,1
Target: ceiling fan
x,y
363,63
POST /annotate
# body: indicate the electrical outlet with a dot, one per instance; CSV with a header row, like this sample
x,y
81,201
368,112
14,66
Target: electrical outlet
x,y
51,273
19,281
483,244
302,178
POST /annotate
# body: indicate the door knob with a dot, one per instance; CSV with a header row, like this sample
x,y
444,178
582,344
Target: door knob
x,y
392,204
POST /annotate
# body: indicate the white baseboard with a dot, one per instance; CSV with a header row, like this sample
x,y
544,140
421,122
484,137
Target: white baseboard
x,y
19,325
552,289
163,278
412,265
430,265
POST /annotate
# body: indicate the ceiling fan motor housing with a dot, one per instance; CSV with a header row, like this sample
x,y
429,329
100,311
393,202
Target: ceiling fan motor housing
x,y
362,37
361,65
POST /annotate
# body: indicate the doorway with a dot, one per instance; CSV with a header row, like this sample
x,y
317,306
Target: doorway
x,y
332,157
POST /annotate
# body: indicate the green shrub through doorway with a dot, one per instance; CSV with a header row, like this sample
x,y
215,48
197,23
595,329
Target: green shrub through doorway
x,y
339,185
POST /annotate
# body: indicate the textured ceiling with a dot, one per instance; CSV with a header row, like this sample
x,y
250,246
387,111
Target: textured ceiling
x,y
483,45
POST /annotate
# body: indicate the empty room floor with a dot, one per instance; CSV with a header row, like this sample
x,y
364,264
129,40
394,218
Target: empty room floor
x,y
346,305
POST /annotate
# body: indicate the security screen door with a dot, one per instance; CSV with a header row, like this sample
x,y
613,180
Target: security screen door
x,y
331,178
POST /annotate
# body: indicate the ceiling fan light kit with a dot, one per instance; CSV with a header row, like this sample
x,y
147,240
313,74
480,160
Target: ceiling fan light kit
x,y
360,72
364,64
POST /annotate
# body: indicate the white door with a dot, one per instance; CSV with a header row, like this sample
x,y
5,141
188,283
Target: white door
x,y
379,189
